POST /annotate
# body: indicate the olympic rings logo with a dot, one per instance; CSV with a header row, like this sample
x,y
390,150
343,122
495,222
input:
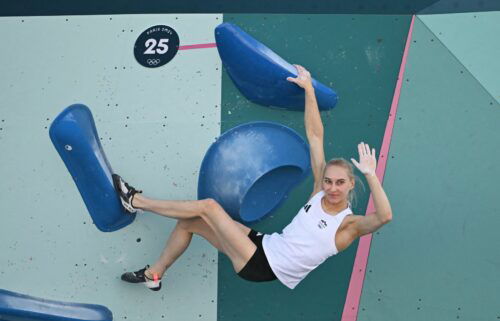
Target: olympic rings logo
x,y
153,62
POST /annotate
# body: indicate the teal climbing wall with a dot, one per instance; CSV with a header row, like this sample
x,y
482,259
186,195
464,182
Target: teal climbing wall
x,y
359,56
438,259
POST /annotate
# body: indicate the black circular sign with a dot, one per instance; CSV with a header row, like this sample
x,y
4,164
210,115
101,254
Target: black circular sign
x,y
156,46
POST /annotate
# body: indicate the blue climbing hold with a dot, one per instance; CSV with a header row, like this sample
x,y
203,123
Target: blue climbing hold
x,y
251,168
260,74
21,307
75,137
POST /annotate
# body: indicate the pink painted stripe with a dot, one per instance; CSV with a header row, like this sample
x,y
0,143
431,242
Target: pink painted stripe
x,y
351,306
200,46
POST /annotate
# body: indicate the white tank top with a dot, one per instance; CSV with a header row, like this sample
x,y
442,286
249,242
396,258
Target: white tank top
x,y
305,243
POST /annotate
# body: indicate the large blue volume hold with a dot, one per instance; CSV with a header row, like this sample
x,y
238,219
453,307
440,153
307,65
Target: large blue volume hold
x,y
260,74
75,137
21,307
251,168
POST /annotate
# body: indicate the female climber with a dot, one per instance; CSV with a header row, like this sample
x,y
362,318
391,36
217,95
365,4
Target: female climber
x,y
323,227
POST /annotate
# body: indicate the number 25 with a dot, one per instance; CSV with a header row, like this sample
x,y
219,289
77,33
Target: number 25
x,y
151,44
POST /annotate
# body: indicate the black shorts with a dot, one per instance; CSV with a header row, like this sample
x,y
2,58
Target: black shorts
x,y
257,268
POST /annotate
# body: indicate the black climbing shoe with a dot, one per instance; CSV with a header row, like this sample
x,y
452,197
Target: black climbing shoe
x,y
140,277
125,192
